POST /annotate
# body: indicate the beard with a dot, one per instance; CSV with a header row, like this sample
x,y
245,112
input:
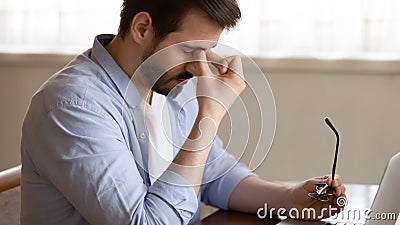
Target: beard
x,y
162,84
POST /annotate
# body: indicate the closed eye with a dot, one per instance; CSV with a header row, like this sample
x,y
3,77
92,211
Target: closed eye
x,y
187,49
191,49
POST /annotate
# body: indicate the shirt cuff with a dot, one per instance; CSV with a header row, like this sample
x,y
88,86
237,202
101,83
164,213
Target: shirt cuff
x,y
178,193
227,183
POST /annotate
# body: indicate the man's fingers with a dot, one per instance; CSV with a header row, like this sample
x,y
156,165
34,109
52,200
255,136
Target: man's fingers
x,y
218,61
235,65
336,184
221,69
231,63
340,190
224,65
200,65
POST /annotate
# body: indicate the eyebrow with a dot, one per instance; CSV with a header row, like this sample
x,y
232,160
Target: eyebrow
x,y
196,48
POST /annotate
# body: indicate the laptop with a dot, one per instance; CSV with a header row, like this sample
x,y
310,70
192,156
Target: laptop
x,y
386,203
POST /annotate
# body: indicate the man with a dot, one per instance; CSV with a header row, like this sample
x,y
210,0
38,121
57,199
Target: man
x,y
88,142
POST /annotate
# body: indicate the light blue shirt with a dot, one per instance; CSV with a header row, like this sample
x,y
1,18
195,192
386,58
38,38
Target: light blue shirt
x,y
84,152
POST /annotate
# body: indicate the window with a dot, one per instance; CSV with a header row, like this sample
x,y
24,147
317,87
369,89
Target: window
x,y
270,28
55,26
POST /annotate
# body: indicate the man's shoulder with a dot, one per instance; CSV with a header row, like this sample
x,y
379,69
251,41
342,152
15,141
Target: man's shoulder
x,y
82,82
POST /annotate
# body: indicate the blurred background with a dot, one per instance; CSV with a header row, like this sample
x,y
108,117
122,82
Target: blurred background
x,y
335,58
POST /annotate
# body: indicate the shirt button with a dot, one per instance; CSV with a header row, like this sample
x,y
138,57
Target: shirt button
x,y
142,135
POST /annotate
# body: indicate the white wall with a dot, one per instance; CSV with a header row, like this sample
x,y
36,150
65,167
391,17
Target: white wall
x,y
360,97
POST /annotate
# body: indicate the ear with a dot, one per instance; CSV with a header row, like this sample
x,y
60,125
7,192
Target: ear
x,y
142,28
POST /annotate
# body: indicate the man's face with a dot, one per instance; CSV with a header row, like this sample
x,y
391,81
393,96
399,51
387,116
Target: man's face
x,y
195,26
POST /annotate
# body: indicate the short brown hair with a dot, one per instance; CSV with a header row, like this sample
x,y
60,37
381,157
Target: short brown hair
x,y
168,14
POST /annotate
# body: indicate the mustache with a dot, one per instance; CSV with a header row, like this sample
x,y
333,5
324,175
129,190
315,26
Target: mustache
x,y
185,75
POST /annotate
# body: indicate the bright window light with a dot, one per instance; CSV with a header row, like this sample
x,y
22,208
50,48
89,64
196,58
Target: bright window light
x,y
367,29
55,26
269,28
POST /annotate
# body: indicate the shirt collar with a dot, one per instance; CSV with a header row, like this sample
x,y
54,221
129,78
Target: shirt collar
x,y
123,83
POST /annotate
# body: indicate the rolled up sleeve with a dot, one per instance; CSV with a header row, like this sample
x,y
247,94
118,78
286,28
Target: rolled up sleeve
x,y
223,173
177,193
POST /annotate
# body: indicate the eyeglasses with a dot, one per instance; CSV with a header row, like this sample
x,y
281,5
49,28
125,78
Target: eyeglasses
x,y
321,193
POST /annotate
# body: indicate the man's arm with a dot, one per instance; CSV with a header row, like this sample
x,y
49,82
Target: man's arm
x,y
253,193
215,94
191,160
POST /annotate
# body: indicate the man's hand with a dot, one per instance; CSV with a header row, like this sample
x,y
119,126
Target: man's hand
x,y
300,200
216,93
253,194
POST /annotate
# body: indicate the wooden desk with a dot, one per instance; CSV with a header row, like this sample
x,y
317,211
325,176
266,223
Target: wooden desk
x,y
358,196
